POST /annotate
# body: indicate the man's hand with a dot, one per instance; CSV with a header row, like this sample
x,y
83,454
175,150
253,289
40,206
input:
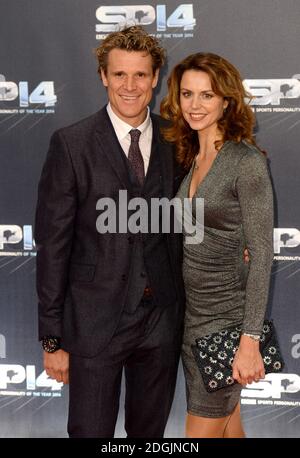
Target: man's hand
x,y
57,365
246,256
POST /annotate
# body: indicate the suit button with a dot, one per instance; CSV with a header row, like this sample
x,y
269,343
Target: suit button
x,y
123,277
143,274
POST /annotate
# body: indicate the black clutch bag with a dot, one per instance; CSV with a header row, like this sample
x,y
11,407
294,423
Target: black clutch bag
x,y
215,352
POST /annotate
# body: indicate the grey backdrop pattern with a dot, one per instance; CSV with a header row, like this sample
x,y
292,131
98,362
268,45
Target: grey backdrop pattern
x,y
48,79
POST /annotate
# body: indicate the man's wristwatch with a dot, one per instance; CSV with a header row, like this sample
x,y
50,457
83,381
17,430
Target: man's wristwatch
x,y
255,337
51,344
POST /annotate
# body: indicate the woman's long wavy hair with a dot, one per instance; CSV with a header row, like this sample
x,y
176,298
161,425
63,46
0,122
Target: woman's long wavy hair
x,y
238,120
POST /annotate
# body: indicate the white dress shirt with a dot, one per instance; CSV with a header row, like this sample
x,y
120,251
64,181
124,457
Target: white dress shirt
x,y
122,131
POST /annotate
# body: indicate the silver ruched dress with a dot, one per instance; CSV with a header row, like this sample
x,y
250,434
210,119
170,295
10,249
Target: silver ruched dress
x,y
221,289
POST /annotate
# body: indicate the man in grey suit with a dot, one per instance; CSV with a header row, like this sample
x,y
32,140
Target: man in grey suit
x,y
114,300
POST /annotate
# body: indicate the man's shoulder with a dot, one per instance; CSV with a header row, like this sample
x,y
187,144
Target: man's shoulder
x,y
82,127
159,120
159,124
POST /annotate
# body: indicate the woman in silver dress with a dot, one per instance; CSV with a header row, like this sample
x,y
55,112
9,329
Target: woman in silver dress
x,y
212,124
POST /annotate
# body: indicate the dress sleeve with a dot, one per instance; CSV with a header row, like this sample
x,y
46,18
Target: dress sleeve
x,y
255,195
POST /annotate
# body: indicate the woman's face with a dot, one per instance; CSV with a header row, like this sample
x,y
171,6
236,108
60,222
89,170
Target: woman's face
x,y
201,107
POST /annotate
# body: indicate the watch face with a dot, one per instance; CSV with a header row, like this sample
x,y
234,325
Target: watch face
x,y
51,344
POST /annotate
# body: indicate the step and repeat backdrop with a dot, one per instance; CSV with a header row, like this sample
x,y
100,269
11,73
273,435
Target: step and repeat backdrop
x,y
48,79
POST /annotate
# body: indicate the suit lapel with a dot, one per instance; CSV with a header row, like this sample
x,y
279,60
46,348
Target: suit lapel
x,y
111,147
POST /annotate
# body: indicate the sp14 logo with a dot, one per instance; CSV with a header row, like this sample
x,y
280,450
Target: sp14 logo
x,y
42,94
111,17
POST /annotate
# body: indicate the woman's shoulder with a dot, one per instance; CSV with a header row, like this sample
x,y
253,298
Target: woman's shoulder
x,y
243,147
246,153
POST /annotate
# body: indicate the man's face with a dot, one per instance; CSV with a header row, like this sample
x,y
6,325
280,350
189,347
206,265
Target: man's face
x,y
129,81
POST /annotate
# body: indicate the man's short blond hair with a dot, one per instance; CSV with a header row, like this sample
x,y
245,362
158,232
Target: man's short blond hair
x,y
132,38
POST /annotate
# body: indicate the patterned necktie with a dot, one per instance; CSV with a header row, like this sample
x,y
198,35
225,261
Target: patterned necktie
x,y
135,156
